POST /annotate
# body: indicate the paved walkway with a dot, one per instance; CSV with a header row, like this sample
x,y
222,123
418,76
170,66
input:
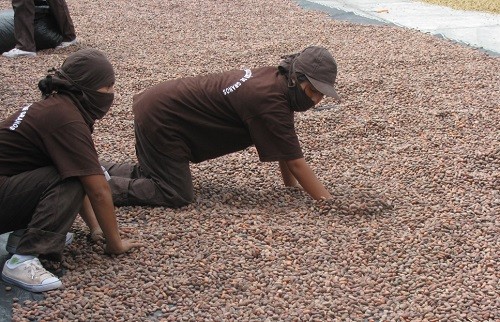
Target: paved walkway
x,y
477,29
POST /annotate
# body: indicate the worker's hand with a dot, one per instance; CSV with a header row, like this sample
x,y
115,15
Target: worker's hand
x,y
97,235
125,246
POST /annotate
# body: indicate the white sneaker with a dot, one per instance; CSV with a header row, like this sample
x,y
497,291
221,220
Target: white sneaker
x,y
15,52
69,239
65,44
29,275
15,236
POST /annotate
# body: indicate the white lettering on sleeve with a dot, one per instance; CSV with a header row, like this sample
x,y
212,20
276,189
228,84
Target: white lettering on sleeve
x,y
19,118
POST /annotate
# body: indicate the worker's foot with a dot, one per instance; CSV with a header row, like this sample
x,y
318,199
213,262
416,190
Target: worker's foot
x,y
65,44
29,274
16,52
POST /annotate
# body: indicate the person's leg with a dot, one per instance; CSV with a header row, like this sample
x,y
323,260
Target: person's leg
x,y
52,219
60,11
47,206
152,189
24,24
129,185
19,196
157,181
124,170
43,204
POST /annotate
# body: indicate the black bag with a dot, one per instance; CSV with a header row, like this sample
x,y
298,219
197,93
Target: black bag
x,y
47,35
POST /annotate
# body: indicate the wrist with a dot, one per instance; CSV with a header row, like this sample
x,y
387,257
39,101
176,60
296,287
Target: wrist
x,y
96,234
113,243
96,231
114,248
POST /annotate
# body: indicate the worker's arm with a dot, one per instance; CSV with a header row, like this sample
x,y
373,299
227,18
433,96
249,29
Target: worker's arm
x,y
88,216
288,178
100,198
299,170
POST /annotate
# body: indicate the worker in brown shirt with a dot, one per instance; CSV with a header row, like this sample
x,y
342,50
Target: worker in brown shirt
x,y
48,165
200,118
24,26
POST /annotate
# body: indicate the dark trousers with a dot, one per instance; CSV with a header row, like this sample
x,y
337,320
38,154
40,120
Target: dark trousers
x,y
158,180
44,204
24,22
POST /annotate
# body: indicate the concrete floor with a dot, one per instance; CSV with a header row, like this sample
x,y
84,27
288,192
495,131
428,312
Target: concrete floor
x,y
479,30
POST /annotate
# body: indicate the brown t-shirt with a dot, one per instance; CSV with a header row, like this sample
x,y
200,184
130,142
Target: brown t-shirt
x,y
205,117
51,132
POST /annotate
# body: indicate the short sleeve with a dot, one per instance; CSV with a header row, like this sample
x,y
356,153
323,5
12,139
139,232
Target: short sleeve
x,y
72,150
274,136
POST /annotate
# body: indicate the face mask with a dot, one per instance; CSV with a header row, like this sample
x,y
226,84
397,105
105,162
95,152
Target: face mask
x,y
97,103
299,101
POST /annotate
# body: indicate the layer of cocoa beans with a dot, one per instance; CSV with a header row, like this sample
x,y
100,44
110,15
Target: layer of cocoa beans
x,y
411,156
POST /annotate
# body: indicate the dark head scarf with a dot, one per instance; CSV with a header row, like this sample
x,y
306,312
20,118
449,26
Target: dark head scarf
x,y
79,77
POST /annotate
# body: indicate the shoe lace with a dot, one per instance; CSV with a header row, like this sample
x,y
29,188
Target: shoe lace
x,y
36,269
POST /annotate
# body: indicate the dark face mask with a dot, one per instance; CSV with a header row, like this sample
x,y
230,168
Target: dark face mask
x,y
97,103
299,101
